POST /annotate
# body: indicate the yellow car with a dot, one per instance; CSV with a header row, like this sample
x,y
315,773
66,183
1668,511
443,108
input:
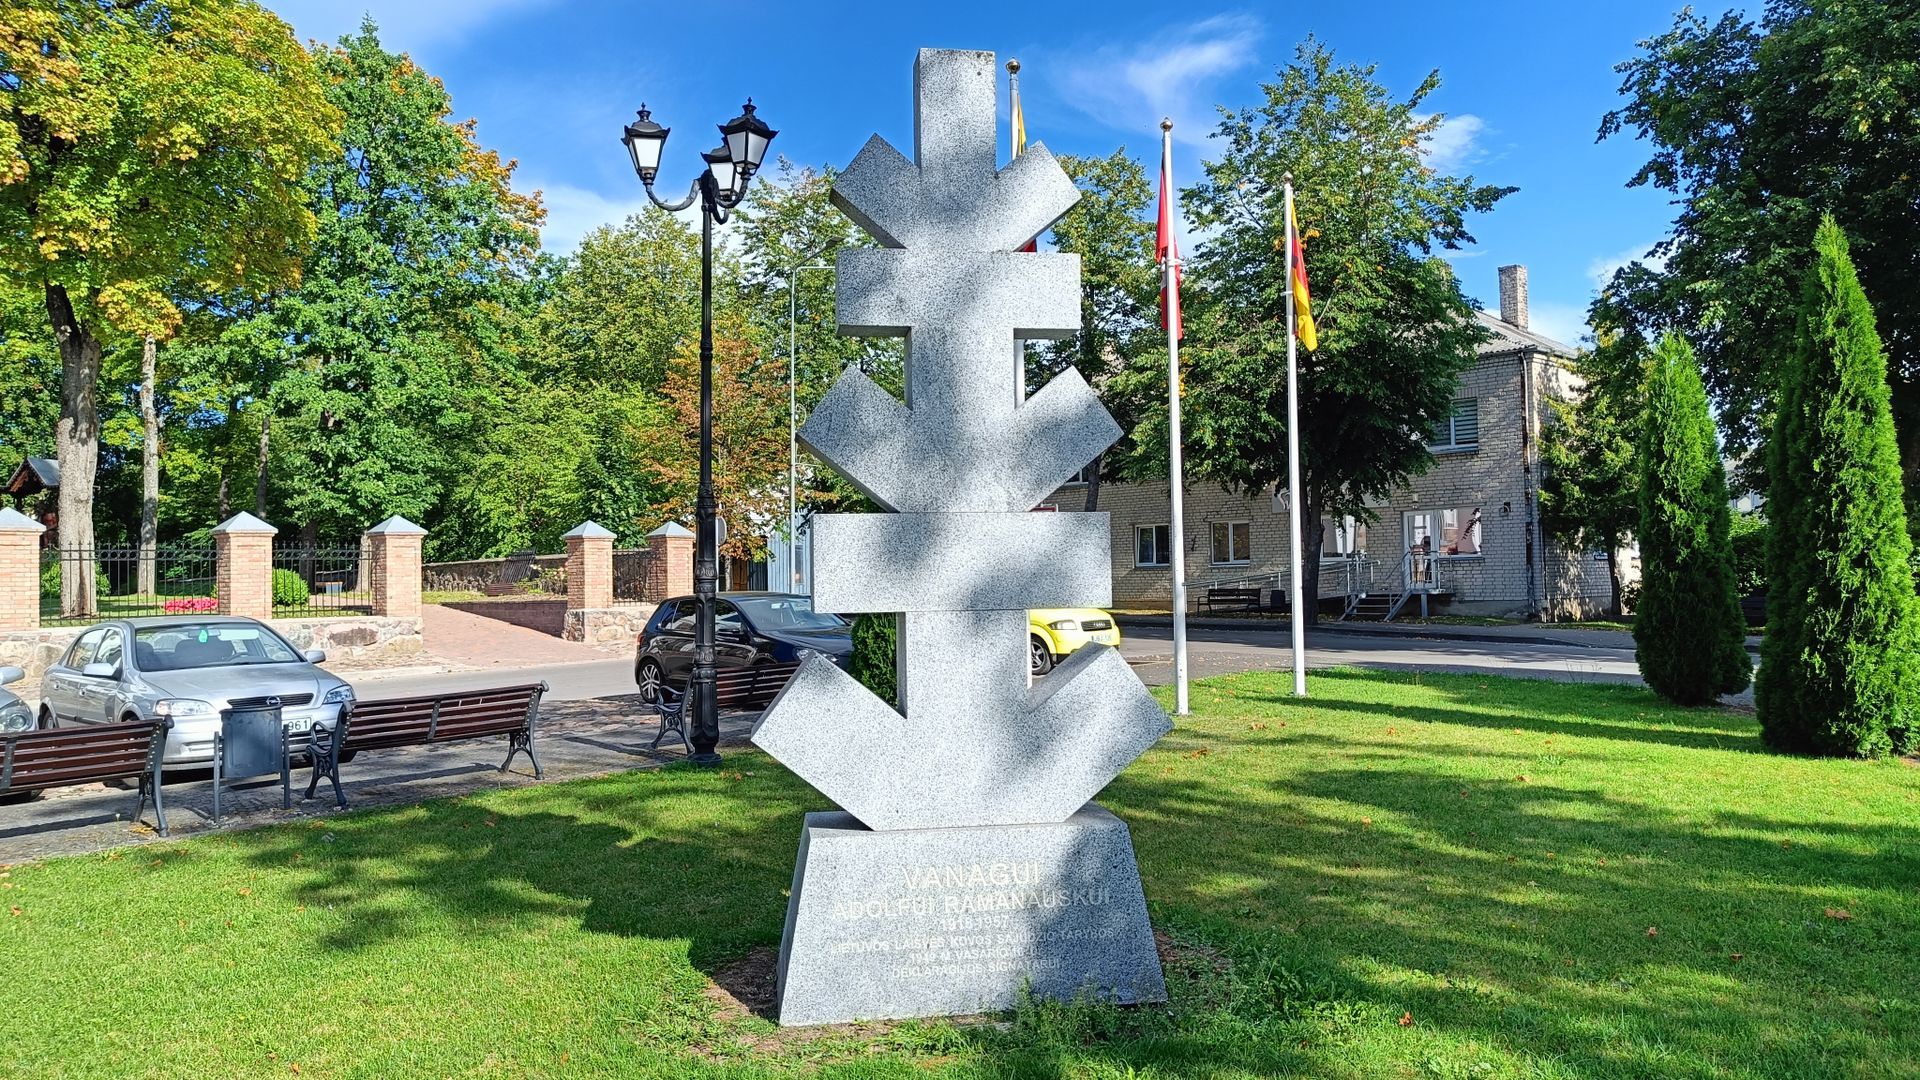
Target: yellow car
x,y
1054,633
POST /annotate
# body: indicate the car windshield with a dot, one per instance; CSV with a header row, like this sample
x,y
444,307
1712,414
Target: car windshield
x,y
204,645
786,613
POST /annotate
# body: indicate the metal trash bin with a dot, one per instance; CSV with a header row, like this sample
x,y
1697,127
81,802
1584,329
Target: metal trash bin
x,y
249,743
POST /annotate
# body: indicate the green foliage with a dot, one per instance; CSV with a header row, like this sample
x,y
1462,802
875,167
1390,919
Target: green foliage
x,y
50,580
384,355
1756,128
627,302
1395,330
1589,485
289,589
876,643
1842,650
1688,634
128,132
1749,538
1119,348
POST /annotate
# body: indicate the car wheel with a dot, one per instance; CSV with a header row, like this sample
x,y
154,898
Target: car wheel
x,y
1041,657
47,722
650,679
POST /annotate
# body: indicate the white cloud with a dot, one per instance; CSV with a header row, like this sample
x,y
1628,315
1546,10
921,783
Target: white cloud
x,y
573,212
1455,143
1601,270
1132,87
1565,323
404,24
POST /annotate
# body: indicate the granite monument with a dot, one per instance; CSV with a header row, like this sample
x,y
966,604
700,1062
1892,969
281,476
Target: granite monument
x,y
968,861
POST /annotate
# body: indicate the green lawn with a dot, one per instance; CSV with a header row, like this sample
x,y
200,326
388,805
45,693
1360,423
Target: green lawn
x,y
1439,876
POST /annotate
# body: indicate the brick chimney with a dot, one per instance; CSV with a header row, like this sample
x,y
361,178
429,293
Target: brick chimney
x,y
1513,295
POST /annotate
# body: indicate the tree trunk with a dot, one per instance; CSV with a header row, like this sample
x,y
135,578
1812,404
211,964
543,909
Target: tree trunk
x,y
149,470
1613,581
226,464
1310,555
1093,482
260,464
77,438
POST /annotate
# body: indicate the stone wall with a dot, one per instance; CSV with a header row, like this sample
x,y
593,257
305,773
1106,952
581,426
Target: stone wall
x,y
365,639
474,575
608,626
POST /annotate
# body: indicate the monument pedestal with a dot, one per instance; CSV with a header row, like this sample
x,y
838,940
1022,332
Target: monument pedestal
x,y
928,922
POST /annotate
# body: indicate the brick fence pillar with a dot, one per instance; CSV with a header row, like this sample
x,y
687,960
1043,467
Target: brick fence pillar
x,y
670,571
393,548
589,568
243,566
19,570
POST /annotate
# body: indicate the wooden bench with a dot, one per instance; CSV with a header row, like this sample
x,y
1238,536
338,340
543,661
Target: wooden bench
x,y
1240,597
91,753
510,711
733,688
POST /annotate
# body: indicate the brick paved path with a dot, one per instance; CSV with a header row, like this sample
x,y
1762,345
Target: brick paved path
x,y
576,739
481,642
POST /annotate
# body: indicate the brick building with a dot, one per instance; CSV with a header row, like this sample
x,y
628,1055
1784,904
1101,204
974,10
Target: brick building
x,y
1466,534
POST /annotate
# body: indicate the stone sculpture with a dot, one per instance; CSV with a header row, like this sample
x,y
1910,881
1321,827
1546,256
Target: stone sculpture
x,y
968,861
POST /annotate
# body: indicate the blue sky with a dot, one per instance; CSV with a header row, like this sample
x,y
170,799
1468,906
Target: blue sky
x,y
1524,87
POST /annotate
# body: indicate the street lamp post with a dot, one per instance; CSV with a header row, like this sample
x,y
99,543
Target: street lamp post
x,y
719,189
793,417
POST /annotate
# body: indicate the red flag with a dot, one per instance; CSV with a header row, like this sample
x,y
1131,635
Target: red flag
x,y
1166,248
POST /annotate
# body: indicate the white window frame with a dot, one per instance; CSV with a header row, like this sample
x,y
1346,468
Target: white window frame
x,y
1213,550
1349,537
1165,555
1451,425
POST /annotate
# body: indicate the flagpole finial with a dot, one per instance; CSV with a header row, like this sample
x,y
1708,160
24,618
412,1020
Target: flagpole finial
x,y
1013,66
1166,123
1286,177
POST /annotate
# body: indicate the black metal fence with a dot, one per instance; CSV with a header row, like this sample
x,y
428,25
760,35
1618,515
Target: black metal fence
x,y
171,579
316,582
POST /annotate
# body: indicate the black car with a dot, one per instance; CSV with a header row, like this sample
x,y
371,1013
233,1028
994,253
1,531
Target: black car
x,y
749,628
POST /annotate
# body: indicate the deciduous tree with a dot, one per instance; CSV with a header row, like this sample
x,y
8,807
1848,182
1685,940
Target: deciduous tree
x,y
145,147
1395,329
1757,126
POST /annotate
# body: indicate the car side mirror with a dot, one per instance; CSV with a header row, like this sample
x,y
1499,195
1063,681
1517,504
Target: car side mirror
x,y
314,656
100,671
11,675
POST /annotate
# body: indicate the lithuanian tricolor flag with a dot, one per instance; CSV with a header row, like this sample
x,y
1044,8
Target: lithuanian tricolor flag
x,y
1302,300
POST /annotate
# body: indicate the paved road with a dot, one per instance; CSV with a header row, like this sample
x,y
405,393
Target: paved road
x,y
1214,651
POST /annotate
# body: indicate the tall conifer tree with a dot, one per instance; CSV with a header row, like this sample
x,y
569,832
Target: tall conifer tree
x,y
1688,633
1843,633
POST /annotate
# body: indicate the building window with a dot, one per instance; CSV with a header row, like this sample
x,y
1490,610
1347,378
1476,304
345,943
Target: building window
x,y
1460,430
1084,476
1232,541
1151,546
1451,533
1343,537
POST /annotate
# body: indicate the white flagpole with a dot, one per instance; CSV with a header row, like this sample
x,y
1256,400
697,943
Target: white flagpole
x,y
1298,616
1176,530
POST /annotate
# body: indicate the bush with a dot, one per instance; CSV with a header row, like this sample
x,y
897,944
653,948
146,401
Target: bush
x,y
876,643
1689,636
1841,662
50,581
1749,537
290,589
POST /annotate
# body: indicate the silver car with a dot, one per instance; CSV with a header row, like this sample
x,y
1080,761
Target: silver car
x,y
190,670
14,714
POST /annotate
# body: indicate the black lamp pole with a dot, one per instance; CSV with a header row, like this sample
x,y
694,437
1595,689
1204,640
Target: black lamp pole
x,y
720,188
